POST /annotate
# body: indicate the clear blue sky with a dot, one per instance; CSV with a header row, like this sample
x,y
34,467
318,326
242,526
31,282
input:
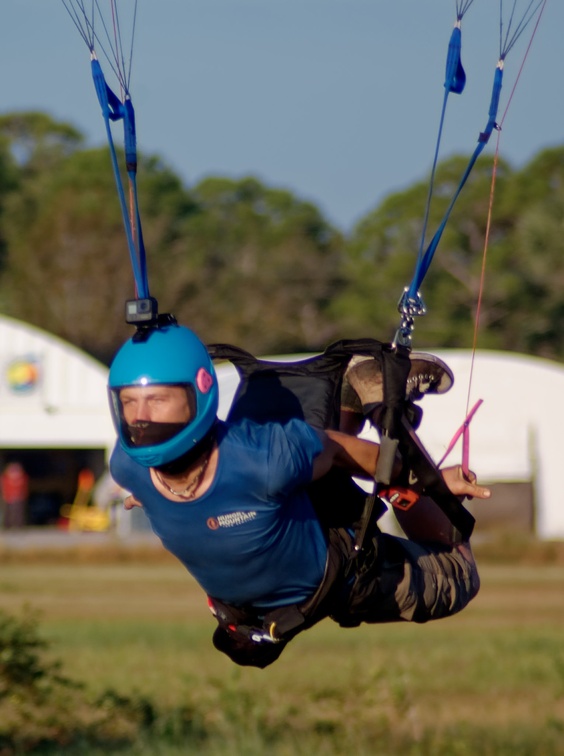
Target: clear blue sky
x,y
336,100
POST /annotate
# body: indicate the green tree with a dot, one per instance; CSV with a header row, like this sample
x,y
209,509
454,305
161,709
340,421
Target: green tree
x,y
233,259
69,269
254,266
37,142
21,135
534,318
44,711
383,252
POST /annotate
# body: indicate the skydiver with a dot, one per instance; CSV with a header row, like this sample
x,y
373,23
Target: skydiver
x,y
231,502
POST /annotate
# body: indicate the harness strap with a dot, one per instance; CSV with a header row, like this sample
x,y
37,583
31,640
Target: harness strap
x,y
247,637
310,389
421,474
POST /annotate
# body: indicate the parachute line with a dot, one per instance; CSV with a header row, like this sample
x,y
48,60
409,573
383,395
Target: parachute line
x,y
118,48
411,303
461,8
455,80
425,262
108,40
508,39
115,109
82,23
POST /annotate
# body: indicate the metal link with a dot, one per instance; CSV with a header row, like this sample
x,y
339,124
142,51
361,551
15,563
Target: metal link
x,y
409,308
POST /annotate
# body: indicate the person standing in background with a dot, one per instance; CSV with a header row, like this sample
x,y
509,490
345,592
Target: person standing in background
x,y
15,491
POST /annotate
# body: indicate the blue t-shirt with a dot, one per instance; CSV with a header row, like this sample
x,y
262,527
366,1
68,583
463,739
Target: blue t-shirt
x,y
253,537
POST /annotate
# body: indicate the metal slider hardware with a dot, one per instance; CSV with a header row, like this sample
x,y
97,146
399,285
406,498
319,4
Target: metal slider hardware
x,y
409,308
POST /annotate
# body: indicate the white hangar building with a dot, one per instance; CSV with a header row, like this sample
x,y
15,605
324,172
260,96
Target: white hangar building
x,y
514,435
54,418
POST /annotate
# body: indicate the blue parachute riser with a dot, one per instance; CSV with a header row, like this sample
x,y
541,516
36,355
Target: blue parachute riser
x,y
455,78
113,109
455,81
411,303
424,263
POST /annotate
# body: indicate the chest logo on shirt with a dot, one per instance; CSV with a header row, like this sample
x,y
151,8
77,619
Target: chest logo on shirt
x,y
230,520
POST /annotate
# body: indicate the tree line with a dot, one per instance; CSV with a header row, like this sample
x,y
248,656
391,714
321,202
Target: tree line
x,y
254,265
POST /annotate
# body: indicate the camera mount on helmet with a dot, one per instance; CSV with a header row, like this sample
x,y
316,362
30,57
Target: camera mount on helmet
x,y
141,311
144,315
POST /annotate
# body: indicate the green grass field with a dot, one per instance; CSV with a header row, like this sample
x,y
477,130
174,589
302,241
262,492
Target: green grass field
x,y
488,681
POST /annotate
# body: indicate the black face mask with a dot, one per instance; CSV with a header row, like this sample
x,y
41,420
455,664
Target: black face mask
x,y
186,460
148,433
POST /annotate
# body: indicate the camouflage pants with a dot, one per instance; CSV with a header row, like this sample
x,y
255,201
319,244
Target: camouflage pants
x,y
404,580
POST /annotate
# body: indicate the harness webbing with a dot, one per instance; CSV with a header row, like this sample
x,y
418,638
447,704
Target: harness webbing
x,y
310,390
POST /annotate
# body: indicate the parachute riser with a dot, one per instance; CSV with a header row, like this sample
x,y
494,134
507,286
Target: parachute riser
x,y
115,110
494,105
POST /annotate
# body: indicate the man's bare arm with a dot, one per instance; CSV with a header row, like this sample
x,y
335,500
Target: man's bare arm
x,y
356,455
360,458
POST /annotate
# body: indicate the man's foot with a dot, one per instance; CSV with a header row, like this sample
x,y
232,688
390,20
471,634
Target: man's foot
x,y
428,375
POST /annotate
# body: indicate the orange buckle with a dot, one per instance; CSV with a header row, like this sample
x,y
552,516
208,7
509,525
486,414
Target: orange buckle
x,y
400,498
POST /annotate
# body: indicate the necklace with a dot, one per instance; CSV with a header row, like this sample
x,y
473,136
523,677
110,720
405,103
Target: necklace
x,y
192,487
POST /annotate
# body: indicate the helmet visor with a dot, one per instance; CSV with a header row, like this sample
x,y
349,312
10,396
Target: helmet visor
x,y
152,414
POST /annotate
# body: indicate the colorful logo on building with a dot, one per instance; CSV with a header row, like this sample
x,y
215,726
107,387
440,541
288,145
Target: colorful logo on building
x,y
22,375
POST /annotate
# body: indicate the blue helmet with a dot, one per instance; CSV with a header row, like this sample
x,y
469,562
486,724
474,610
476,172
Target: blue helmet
x,y
171,355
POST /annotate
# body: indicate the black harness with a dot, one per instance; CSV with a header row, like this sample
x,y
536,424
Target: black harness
x,y
310,389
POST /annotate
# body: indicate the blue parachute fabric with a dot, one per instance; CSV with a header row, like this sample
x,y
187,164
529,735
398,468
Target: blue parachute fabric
x,y
114,110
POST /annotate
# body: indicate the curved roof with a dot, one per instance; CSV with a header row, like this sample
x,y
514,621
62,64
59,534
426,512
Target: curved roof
x,y
52,395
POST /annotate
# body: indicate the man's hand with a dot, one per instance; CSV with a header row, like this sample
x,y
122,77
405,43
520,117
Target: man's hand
x,y
464,485
131,502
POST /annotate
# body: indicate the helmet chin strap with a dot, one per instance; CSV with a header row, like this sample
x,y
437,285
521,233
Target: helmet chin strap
x,y
182,463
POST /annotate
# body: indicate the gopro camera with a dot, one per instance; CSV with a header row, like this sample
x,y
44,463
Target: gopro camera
x,y
141,311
